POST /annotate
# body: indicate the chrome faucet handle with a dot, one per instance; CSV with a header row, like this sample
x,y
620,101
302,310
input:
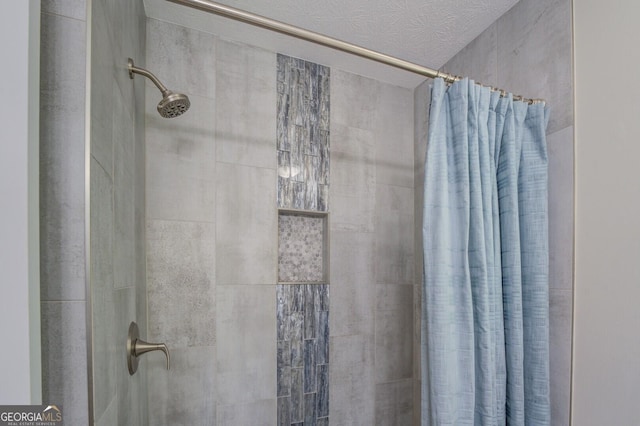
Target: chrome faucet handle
x,y
137,347
141,347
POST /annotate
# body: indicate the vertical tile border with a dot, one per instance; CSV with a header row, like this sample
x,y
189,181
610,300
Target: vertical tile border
x,y
302,134
303,353
302,293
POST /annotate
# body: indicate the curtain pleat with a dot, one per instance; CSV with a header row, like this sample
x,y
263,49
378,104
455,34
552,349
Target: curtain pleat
x,y
485,351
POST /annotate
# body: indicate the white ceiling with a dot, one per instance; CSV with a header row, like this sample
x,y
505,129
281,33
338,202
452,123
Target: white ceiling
x,y
426,32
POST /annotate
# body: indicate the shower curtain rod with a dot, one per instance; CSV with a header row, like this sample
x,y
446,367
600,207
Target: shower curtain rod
x,y
301,33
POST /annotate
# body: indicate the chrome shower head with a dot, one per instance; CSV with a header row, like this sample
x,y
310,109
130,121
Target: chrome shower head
x,y
172,104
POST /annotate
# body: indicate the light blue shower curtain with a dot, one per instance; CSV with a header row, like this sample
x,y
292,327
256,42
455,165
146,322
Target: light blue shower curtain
x,y
485,319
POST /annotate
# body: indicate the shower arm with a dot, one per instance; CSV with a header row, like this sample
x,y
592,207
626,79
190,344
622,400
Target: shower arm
x,y
136,70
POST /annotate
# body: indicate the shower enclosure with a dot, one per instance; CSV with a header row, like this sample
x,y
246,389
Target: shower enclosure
x,y
190,233
186,233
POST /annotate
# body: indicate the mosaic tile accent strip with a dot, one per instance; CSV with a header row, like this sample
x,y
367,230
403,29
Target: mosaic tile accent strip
x,y
301,248
303,354
303,134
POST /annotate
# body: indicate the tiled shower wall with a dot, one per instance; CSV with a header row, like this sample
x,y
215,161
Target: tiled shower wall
x,y
371,242
213,248
62,248
303,354
211,198
117,225
527,51
303,134
117,185
212,231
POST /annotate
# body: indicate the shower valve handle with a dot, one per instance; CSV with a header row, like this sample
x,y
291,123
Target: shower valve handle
x,y
137,347
141,347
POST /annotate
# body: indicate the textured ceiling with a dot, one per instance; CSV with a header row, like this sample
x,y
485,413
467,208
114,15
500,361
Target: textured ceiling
x,y
427,32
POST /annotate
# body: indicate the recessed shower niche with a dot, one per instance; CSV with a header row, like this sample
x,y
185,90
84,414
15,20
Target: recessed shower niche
x,y
302,247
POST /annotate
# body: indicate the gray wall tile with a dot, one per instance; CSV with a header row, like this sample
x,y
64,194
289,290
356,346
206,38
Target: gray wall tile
x,y
422,96
302,319
417,400
534,53
131,395
64,358
352,283
394,235
245,105
246,222
310,409
323,333
246,367
394,332
126,25
102,302
259,413
181,162
560,151
296,408
393,132
284,412
352,379
303,132
117,209
62,93
132,40
323,391
371,228
479,59
70,8
182,58
353,158
422,103
310,372
103,82
354,100
124,195
181,278
63,64
394,403
560,320
109,414
417,351
186,394
104,337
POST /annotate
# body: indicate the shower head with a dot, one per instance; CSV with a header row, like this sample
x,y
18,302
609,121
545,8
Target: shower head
x,y
172,104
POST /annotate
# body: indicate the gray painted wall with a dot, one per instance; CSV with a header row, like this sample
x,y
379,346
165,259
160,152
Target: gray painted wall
x,y
528,52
